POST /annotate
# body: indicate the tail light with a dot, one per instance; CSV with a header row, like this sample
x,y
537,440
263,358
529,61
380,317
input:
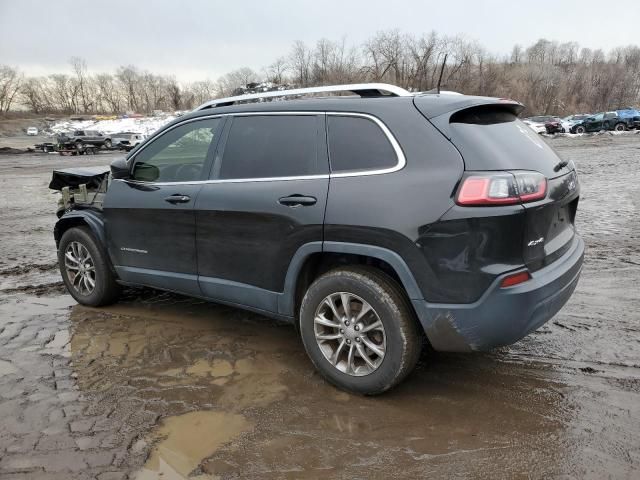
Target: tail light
x,y
515,279
503,188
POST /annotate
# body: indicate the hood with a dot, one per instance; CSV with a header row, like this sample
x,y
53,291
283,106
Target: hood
x,y
74,177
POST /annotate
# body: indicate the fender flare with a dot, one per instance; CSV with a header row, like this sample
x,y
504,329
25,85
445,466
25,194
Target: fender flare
x,y
92,219
286,301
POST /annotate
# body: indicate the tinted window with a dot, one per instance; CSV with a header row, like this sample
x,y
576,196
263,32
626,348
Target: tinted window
x,y
357,143
263,146
177,155
491,137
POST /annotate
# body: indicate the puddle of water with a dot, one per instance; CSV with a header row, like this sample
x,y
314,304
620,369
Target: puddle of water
x,y
187,440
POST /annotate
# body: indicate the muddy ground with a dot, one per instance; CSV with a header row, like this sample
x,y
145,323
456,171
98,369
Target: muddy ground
x,y
160,386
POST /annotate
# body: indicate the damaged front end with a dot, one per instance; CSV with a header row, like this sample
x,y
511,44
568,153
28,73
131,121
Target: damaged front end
x,y
81,187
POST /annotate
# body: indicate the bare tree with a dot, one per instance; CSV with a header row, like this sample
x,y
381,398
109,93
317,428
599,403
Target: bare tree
x,y
10,82
276,72
548,76
300,63
79,67
235,80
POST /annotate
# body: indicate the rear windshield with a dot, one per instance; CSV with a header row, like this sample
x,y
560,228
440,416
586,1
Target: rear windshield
x,y
493,138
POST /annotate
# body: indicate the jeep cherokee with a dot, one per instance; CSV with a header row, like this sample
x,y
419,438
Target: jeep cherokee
x,y
377,224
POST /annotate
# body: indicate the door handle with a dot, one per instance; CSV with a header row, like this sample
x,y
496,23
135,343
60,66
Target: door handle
x,y
177,198
297,201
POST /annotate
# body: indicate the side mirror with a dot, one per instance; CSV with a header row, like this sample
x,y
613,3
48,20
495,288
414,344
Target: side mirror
x,y
120,168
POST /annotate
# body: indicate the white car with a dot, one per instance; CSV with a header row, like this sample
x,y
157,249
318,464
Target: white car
x,y
32,131
127,140
535,126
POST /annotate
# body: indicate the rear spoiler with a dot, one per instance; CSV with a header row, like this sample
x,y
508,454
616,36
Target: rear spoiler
x,y
435,105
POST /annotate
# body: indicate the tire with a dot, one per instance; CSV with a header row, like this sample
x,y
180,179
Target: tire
x,y
399,338
620,127
107,143
79,146
580,129
79,241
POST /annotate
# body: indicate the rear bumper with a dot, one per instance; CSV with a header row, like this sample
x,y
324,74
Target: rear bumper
x,y
503,316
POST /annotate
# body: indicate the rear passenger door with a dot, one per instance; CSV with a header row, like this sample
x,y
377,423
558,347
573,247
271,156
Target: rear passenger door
x,y
266,198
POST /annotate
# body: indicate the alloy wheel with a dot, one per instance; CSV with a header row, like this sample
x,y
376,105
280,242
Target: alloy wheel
x,y
80,268
350,334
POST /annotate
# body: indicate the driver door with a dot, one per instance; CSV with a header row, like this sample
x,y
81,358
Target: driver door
x,y
149,217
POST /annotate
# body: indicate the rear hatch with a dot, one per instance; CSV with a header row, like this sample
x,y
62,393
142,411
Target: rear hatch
x,y
491,138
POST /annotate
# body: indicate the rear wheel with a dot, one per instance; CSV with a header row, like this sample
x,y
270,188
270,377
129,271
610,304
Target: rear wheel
x,y
620,127
85,269
359,330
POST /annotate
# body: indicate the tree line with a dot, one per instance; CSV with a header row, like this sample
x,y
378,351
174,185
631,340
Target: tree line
x,y
548,76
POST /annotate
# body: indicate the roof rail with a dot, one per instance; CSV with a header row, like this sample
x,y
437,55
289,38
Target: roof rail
x,y
362,89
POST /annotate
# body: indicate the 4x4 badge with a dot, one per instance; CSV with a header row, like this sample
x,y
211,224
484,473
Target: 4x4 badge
x,y
535,242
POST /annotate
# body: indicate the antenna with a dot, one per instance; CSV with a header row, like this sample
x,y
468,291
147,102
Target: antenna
x,y
444,62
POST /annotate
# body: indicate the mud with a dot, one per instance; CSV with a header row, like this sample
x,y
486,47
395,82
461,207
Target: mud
x,y
164,387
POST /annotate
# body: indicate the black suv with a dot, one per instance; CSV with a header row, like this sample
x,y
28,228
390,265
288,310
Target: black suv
x,y
80,138
377,225
620,120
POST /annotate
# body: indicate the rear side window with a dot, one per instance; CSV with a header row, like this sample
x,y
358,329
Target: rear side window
x,y
358,143
492,137
264,146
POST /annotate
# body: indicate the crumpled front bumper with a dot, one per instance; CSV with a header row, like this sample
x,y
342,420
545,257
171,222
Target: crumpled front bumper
x,y
503,316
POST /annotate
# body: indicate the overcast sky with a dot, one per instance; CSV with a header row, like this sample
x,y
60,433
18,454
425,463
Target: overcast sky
x,y
196,39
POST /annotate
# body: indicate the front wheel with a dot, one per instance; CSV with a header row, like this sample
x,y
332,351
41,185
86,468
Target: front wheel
x,y
580,129
107,143
359,330
85,269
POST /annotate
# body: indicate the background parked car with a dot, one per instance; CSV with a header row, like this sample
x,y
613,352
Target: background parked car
x,y
537,122
127,140
85,137
619,120
554,126
32,131
625,119
571,120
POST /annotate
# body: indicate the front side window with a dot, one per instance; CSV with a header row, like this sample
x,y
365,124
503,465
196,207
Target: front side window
x,y
269,146
177,155
358,143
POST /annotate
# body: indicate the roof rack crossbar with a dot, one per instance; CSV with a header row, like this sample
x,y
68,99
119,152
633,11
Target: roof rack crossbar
x,y
362,89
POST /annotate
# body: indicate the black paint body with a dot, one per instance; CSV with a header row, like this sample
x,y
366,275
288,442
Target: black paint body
x,y
234,242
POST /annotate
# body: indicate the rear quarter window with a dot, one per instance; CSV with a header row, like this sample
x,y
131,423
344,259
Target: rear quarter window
x,y
358,144
492,137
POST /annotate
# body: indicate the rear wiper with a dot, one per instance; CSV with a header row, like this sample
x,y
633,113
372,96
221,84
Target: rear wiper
x,y
561,164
